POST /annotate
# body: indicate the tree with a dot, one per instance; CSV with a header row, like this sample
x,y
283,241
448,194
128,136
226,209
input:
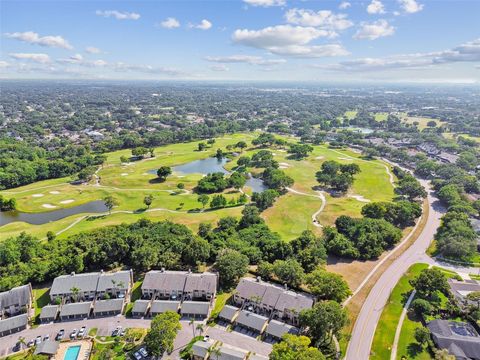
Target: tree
x,y
293,347
276,179
123,159
75,291
7,204
422,335
430,281
443,355
180,186
212,183
422,307
139,151
237,180
300,151
289,272
265,199
203,199
231,266
218,201
241,145
201,146
211,142
162,333
110,202
411,189
323,321
163,172
327,286
250,216
337,176
243,161
147,200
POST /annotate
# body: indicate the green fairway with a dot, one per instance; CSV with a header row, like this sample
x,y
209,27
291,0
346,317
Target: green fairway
x,y
387,325
422,121
130,183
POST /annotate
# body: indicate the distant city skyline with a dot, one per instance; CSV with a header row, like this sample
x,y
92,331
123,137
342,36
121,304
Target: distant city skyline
x,y
422,41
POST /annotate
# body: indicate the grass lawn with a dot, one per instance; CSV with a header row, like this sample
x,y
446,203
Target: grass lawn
x,y
385,332
41,299
130,183
220,302
136,294
422,121
407,345
381,116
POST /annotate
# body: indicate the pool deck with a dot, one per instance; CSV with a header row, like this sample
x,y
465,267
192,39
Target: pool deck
x,y
85,349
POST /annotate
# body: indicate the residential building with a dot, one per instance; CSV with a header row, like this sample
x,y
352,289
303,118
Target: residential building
x,y
75,311
276,330
74,287
15,301
195,309
251,321
460,290
460,339
116,285
47,347
109,307
200,286
163,284
49,313
140,308
161,306
229,313
13,324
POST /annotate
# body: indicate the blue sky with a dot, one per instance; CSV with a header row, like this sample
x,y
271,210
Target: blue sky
x,y
323,40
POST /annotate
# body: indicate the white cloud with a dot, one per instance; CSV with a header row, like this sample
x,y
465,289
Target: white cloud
x,y
121,67
374,30
323,19
119,15
170,23
467,52
204,25
78,59
277,36
410,6
248,59
289,40
219,67
92,50
34,38
376,7
265,3
4,64
39,58
344,5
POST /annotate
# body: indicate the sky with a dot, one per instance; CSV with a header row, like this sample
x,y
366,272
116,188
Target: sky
x,y
420,41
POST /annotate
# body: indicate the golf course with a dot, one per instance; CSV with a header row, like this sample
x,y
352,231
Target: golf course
x,y
302,207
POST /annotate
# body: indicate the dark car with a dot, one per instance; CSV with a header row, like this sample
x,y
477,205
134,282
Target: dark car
x,y
60,335
17,347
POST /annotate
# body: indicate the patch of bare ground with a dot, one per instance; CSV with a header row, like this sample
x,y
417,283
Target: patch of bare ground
x,y
354,272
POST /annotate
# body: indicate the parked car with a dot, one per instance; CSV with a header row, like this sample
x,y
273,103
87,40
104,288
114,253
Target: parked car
x,y
117,331
60,335
137,356
82,332
17,347
38,340
143,352
122,332
31,343
46,337
73,334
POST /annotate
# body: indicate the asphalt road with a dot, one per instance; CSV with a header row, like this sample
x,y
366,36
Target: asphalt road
x,y
366,323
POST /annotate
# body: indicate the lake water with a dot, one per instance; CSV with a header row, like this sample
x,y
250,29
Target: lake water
x,y
213,165
7,217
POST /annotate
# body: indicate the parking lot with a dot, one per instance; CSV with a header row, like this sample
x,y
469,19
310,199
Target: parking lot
x,y
105,327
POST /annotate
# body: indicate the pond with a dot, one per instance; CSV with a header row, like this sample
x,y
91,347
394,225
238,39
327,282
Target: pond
x,y
7,217
213,165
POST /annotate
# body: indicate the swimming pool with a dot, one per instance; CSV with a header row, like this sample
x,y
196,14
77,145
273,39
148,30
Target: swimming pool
x,y
72,353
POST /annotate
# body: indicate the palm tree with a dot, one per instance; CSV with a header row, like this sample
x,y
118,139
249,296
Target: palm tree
x,y
192,322
215,350
22,342
75,291
199,327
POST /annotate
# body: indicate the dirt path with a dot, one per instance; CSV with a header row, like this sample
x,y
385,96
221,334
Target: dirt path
x,y
320,196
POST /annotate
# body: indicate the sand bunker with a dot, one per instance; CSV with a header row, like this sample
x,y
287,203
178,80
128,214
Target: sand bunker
x,y
124,174
345,158
49,206
54,192
67,201
359,198
284,164
37,195
320,158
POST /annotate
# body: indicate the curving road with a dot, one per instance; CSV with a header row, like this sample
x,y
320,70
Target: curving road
x,y
366,323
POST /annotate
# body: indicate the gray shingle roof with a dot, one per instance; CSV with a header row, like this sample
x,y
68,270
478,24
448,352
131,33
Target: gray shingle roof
x,y
81,308
140,306
164,280
272,293
108,305
200,348
195,307
278,329
230,353
13,322
205,282
460,289
228,312
64,283
49,312
105,280
251,320
48,347
293,300
20,295
249,288
160,306
458,337
257,357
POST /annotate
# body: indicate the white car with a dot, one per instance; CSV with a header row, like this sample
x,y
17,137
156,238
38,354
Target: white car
x,y
73,334
137,356
38,340
143,352
82,331
46,337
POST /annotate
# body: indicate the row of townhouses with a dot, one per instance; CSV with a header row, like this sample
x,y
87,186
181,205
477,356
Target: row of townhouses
x,y
265,308
15,308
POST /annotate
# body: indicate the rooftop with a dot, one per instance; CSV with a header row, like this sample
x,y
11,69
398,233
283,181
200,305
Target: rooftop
x,y
81,308
195,308
251,320
161,306
108,305
20,295
13,322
